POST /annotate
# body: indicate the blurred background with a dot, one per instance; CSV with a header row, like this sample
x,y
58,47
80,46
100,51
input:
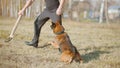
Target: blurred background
x,y
98,44
76,10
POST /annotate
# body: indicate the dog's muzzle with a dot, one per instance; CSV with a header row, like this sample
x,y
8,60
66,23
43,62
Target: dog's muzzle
x,y
57,28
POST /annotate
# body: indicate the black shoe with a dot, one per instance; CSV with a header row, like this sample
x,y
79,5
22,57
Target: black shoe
x,y
31,44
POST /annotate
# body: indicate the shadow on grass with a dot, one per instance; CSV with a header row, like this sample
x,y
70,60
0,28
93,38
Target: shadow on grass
x,y
96,53
45,45
93,55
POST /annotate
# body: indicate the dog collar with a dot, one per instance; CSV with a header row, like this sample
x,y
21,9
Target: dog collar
x,y
58,33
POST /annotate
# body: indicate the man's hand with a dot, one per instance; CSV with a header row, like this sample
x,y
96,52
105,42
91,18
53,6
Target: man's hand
x,y
59,11
28,3
21,12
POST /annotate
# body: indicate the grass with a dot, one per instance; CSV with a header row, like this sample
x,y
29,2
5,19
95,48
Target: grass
x,y
98,44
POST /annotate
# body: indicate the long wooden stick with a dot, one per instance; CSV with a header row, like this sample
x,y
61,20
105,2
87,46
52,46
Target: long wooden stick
x,y
14,29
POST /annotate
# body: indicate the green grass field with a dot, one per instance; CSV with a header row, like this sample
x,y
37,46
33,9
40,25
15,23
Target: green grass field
x,y
98,44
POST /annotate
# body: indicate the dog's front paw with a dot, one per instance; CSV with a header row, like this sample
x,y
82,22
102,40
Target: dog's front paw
x,y
53,43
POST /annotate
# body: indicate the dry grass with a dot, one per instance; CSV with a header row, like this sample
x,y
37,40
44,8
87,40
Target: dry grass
x,y
99,45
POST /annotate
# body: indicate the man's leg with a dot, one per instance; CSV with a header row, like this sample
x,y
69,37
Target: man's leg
x,y
55,18
39,22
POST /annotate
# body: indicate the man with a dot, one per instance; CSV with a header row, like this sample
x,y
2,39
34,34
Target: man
x,y
52,11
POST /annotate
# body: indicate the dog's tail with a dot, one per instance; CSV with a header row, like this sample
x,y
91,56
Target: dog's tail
x,y
77,57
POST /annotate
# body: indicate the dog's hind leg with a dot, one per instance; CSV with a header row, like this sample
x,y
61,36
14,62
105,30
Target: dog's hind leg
x,y
67,57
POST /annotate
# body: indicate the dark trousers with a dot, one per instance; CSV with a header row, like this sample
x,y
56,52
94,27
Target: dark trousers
x,y
41,20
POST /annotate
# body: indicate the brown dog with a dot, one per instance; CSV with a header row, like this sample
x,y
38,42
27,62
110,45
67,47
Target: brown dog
x,y
63,42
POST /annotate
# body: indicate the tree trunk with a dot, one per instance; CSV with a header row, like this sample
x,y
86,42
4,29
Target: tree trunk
x,y
101,12
1,7
106,11
11,9
70,9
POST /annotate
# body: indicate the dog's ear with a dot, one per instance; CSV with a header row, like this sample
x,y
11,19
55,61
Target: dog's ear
x,y
53,25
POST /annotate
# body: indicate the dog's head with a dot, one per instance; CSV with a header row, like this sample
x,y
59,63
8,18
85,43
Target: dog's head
x,y
57,28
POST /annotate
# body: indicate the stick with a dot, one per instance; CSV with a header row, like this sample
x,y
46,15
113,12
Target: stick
x,y
14,29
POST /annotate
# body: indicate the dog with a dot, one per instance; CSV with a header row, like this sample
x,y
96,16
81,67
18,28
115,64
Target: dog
x,y
63,43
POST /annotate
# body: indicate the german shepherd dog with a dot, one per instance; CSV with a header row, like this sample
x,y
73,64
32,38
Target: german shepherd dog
x,y
63,43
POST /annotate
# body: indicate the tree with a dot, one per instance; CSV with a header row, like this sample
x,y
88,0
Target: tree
x,y
101,12
106,11
0,9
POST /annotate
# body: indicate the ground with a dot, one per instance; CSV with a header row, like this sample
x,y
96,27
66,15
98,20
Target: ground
x,y
98,44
